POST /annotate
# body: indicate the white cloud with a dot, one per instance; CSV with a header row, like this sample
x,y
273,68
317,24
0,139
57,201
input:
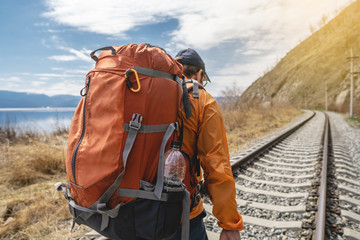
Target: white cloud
x,y
63,58
41,24
44,83
38,83
63,87
58,43
54,31
108,17
44,42
10,79
203,24
243,74
220,83
82,54
80,70
57,69
250,52
55,75
259,31
10,83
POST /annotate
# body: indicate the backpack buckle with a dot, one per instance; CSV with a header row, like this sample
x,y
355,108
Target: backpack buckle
x,y
135,122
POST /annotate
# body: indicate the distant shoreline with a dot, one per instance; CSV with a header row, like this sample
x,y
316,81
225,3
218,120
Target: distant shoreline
x,y
40,109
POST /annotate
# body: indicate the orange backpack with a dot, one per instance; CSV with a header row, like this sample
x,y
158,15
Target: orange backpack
x,y
121,128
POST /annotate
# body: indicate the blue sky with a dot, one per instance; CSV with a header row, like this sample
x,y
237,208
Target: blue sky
x,y
45,44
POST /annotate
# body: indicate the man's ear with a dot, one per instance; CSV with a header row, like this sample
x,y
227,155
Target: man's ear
x,y
198,76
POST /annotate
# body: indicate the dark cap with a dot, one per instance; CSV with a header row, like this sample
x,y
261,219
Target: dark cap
x,y
191,57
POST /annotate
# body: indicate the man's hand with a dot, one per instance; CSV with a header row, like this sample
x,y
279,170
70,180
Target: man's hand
x,y
230,235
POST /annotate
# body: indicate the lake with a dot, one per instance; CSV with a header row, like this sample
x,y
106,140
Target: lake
x,y
41,120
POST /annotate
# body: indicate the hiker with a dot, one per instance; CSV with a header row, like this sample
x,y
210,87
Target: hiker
x,y
205,143
116,162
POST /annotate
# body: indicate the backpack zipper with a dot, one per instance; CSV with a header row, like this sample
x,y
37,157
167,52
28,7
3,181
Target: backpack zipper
x,y
73,163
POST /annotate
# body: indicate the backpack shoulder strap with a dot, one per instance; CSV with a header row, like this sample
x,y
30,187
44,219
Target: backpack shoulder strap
x,y
185,99
195,87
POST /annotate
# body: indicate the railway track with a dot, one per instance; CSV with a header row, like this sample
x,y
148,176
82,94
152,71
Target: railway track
x,y
300,184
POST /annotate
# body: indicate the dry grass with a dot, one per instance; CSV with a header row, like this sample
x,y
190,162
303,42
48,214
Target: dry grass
x,y
352,122
31,212
30,165
31,157
250,122
37,211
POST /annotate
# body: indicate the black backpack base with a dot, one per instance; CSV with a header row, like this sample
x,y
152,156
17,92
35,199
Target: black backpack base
x,y
141,219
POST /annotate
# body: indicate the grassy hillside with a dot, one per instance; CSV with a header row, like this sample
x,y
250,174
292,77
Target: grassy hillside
x,y
299,78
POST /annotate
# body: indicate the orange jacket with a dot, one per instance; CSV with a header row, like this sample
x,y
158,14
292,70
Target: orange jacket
x,y
205,131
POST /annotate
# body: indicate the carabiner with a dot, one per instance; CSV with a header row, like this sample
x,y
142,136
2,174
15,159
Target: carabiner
x,y
127,75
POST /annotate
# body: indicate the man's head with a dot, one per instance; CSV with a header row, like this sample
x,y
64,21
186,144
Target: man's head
x,y
193,64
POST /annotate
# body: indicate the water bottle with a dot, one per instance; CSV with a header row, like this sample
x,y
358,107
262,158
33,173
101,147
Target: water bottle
x,y
175,165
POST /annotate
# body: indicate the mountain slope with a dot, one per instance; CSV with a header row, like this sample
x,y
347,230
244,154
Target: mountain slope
x,y
300,77
9,99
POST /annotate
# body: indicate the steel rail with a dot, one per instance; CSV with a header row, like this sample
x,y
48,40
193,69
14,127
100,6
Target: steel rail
x,y
320,218
256,152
